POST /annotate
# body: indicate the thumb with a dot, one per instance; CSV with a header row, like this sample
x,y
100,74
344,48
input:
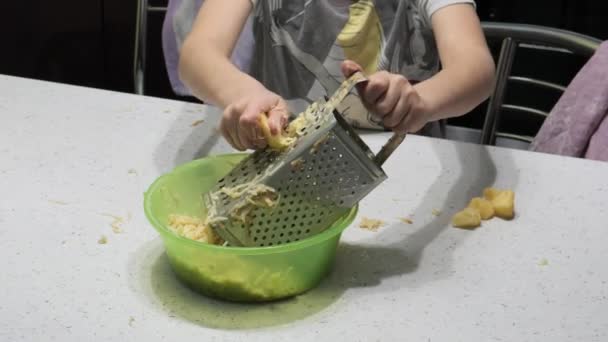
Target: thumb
x,y
349,68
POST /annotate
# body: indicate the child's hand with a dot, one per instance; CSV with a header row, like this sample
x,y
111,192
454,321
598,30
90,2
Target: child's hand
x,y
392,98
240,124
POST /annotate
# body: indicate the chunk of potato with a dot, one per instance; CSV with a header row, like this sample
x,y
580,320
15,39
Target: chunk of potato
x,y
504,204
490,193
277,142
485,207
468,218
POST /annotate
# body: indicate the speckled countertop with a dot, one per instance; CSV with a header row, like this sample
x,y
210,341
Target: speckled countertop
x,y
74,163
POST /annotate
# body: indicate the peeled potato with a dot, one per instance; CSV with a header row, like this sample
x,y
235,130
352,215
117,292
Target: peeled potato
x,y
504,204
485,207
490,193
277,142
468,218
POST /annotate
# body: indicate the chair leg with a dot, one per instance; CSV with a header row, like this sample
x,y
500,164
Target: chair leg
x,y
503,70
139,53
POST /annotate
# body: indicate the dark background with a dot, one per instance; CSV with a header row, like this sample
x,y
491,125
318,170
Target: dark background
x,y
90,42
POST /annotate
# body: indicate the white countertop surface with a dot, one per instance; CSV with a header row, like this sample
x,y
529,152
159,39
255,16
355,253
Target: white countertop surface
x,y
72,157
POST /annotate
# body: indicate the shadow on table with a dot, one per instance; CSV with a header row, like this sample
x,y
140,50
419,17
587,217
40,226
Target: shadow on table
x,y
362,266
151,276
356,265
184,142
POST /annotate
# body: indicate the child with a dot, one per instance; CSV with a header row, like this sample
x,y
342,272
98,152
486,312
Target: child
x,y
300,50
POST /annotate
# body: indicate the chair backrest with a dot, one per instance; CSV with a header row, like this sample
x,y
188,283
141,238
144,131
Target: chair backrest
x,y
140,47
514,37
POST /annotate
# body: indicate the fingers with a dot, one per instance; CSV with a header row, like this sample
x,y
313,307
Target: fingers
x,y
349,67
392,98
399,122
240,123
412,123
385,106
375,88
404,93
229,127
249,128
277,117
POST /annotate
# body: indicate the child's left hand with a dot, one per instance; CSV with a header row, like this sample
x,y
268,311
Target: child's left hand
x,y
392,98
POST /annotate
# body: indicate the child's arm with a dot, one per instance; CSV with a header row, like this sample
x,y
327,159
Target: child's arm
x,y
466,78
467,75
205,67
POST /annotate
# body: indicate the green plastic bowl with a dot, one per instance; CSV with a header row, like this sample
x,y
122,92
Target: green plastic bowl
x,y
244,274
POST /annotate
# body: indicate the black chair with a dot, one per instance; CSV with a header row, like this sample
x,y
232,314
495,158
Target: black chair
x,y
140,47
514,38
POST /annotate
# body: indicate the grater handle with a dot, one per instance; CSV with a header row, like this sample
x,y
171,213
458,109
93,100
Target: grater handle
x,y
388,148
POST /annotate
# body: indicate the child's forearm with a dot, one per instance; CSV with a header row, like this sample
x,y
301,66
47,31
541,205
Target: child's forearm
x,y
456,91
212,77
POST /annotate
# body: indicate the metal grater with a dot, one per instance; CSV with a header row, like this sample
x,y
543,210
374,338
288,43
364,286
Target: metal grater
x,y
321,177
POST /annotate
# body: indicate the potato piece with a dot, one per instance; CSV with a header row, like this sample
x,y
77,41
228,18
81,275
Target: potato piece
x,y
277,142
468,218
485,207
297,165
504,204
490,193
407,220
371,224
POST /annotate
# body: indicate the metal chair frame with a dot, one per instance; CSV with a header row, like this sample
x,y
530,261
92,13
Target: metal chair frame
x,y
141,36
514,36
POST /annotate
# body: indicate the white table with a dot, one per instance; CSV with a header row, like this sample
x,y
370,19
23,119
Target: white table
x,y
71,156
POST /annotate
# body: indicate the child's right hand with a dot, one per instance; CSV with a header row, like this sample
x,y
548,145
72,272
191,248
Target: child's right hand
x,y
240,121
